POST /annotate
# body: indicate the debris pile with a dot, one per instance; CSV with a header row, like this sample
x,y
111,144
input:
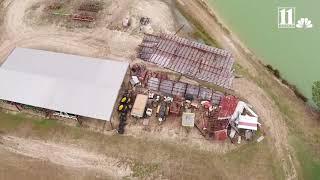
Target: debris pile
x,y
83,17
92,6
189,58
217,116
231,118
87,11
144,21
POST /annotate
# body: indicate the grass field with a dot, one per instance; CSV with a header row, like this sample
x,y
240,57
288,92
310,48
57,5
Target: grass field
x,y
304,138
152,158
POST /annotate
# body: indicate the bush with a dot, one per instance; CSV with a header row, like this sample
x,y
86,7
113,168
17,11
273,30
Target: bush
x,y
316,93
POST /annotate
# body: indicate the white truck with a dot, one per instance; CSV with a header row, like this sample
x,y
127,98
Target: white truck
x,y
139,106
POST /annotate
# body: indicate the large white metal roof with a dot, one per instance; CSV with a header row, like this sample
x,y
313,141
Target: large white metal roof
x,y
74,84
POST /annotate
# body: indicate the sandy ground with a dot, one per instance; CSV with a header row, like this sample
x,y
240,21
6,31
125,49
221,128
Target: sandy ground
x,y
101,41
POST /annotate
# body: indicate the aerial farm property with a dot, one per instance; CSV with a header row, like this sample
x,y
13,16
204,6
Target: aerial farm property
x,y
143,89
88,90
150,74
162,78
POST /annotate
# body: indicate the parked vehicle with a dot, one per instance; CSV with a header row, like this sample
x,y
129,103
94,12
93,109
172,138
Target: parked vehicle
x,y
162,112
139,106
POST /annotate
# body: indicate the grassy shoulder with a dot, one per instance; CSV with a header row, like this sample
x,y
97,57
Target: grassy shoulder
x,y
148,158
304,137
199,31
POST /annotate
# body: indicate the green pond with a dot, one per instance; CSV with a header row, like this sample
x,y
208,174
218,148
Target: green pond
x,y
294,52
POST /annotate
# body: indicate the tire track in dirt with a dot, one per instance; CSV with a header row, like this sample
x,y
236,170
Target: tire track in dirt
x,y
65,155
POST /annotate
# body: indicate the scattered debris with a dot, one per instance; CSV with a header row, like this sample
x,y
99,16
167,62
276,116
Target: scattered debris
x,y
248,135
65,115
260,139
92,6
232,133
188,119
220,135
145,124
175,108
149,112
135,81
83,17
144,21
126,22
239,139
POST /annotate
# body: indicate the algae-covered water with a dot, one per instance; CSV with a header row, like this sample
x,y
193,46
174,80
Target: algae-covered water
x,y
294,52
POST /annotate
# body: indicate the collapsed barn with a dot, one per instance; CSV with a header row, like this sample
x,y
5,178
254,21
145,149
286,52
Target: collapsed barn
x,y
189,58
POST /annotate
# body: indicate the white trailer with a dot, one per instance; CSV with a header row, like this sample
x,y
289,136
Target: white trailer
x,y
139,106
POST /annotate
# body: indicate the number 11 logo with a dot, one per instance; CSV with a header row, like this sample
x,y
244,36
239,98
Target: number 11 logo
x,y
286,17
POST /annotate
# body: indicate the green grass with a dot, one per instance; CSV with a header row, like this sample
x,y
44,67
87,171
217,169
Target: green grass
x,y
239,70
309,161
10,122
45,123
259,154
199,32
303,144
143,170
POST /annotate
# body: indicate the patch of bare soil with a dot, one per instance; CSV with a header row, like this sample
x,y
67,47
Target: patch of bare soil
x,y
66,156
27,24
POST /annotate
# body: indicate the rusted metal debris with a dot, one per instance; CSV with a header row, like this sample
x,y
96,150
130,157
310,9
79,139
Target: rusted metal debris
x,y
190,58
83,17
227,107
91,6
214,124
175,107
180,89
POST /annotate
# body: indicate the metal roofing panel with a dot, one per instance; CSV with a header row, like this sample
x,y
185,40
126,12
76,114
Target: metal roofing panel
x,y
68,83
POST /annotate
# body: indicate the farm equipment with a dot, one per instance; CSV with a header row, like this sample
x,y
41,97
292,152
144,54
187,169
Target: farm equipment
x,y
162,112
123,108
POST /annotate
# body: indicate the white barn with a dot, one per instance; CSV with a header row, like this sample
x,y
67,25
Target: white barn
x,y
60,82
